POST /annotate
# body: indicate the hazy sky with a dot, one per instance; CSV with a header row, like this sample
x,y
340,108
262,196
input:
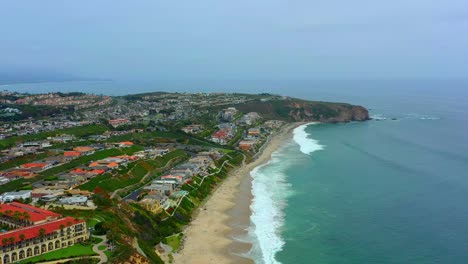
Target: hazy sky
x,y
241,39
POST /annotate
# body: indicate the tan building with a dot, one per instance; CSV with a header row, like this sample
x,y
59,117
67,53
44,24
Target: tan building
x,y
35,231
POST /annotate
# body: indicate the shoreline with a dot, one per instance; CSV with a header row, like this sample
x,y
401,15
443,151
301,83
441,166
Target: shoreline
x,y
225,215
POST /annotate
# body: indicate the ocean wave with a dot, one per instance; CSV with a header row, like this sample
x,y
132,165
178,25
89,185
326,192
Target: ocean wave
x,y
429,118
421,117
270,191
378,117
306,144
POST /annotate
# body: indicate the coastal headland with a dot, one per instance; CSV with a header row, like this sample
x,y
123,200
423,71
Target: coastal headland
x,y
148,171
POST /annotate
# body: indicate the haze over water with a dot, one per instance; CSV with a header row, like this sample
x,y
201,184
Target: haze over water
x,y
388,191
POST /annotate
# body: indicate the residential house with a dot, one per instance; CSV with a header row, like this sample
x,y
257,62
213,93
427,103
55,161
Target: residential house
x,y
84,150
40,166
11,196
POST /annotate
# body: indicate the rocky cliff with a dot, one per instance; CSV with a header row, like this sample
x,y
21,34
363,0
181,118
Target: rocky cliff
x,y
297,110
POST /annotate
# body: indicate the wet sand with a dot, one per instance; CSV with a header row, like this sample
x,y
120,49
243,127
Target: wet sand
x,y
226,214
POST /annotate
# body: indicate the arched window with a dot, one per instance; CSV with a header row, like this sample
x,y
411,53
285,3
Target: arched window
x,y
36,250
43,248
29,252
6,259
57,244
21,254
14,256
51,246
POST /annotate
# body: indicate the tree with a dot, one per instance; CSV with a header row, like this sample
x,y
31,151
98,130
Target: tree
x,y
8,212
11,240
26,216
42,232
22,237
17,215
4,241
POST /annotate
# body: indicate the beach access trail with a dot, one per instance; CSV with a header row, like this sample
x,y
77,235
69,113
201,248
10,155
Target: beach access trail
x,y
209,235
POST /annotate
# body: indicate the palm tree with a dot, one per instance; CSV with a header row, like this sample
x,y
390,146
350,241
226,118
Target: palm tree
x,y
22,237
4,241
42,232
17,215
11,240
26,216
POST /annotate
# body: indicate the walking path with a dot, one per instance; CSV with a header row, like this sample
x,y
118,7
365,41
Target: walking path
x,y
67,259
101,253
150,173
199,184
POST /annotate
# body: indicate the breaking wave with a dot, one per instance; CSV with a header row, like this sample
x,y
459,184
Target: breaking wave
x,y
306,144
421,117
270,190
378,117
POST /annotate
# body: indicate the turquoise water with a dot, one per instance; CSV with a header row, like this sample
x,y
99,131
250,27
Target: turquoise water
x,y
389,191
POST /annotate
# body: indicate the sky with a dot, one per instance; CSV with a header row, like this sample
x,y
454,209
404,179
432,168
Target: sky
x,y
237,40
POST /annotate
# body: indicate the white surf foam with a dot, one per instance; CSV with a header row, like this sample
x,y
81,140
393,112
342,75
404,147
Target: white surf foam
x,y
306,144
429,118
378,117
421,117
270,191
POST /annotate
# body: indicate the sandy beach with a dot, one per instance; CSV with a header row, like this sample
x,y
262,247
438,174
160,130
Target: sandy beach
x,y
209,238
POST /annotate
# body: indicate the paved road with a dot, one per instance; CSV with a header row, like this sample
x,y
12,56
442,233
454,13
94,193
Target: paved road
x,y
101,253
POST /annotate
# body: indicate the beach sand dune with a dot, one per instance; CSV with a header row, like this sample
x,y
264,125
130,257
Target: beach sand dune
x,y
209,237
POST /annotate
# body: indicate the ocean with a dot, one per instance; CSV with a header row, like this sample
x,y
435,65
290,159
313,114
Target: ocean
x,y
390,190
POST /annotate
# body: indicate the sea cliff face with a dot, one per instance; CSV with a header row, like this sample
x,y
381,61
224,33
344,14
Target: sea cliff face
x,y
297,110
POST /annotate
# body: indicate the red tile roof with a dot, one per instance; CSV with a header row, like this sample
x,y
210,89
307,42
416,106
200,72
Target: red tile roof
x,y
83,149
36,214
33,165
220,134
33,231
71,154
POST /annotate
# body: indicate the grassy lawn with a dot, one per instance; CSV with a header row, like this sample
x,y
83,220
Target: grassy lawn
x,y
77,250
92,222
21,160
236,138
144,136
80,131
95,240
96,156
110,184
20,183
175,241
102,247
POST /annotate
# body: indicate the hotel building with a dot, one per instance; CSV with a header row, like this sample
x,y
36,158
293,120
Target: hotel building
x,y
31,231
